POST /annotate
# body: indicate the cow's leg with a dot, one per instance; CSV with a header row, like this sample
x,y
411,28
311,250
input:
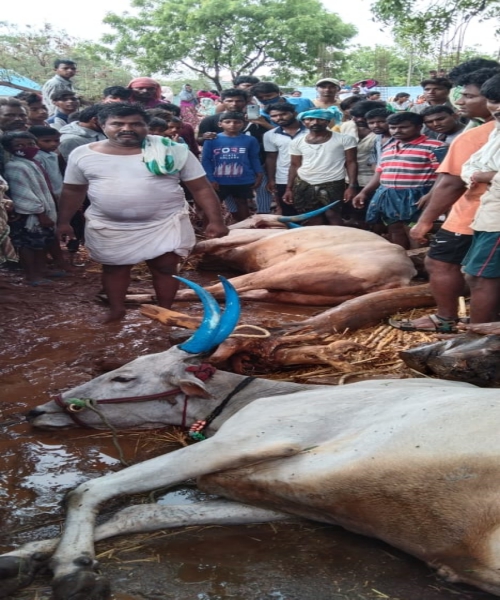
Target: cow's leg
x,y
73,563
18,568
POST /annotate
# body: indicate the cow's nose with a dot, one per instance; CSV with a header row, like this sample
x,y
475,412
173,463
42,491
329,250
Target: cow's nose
x,y
34,413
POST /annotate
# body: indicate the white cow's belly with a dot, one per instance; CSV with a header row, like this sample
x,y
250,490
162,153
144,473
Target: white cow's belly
x,y
416,473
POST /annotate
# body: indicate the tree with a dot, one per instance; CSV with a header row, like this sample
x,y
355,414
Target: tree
x,y
31,52
430,25
236,36
389,66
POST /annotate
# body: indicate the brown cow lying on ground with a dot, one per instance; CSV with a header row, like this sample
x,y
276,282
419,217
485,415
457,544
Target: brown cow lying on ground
x,y
413,462
316,266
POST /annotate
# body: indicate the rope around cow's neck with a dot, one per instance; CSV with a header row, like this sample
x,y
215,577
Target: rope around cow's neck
x,y
198,428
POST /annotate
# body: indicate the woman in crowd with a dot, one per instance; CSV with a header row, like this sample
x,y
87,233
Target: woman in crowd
x,y
188,103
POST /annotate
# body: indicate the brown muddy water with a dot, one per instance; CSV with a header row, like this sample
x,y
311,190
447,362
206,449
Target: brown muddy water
x,y
52,339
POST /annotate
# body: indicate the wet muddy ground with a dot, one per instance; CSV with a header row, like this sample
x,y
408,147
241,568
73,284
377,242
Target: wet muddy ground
x,y
52,339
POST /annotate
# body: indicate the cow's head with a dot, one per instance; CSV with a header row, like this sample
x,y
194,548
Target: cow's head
x,y
168,388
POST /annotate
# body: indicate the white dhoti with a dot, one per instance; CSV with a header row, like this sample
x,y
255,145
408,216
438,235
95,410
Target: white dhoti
x,y
124,243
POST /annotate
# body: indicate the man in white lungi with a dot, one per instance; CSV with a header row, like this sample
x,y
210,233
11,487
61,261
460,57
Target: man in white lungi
x,y
138,210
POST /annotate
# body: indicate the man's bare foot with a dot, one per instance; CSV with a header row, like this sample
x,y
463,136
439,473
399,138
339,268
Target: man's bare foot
x,y
114,315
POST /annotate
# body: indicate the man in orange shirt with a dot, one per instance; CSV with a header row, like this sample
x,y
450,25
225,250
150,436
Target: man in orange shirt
x,y
451,243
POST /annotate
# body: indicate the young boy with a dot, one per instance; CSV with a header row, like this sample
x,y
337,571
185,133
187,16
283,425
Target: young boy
x,y
231,161
173,130
157,126
48,139
406,172
66,103
376,120
33,232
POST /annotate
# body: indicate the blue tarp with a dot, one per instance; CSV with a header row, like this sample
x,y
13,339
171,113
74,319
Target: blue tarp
x,y
16,80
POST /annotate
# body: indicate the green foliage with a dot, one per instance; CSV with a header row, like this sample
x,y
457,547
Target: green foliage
x,y
236,36
388,65
427,22
31,52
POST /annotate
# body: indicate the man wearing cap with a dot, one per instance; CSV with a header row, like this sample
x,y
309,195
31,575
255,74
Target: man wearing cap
x,y
328,90
320,161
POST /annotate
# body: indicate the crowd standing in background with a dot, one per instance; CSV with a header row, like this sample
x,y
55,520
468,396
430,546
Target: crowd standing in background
x,y
116,174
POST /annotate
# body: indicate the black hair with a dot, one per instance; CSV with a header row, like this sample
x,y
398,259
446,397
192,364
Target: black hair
x,y
232,115
62,95
29,97
401,117
233,93
89,113
378,112
283,107
118,91
64,61
157,122
368,94
491,89
401,95
42,131
8,137
478,77
348,102
440,81
121,109
439,108
361,108
469,66
174,119
265,87
245,79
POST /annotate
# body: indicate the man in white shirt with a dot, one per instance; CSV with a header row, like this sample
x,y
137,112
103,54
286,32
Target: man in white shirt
x,y
277,144
138,210
320,161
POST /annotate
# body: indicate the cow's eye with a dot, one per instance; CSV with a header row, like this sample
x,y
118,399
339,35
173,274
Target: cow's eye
x,y
122,379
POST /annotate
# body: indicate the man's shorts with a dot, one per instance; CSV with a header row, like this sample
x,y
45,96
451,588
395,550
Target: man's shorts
x,y
449,247
236,191
483,258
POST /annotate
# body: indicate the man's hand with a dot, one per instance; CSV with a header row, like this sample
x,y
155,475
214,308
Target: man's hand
x,y
271,186
258,181
482,177
419,231
359,200
65,231
350,194
216,230
288,197
45,221
424,201
209,135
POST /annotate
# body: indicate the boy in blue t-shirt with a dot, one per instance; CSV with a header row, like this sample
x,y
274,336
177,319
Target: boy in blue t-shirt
x,y
231,161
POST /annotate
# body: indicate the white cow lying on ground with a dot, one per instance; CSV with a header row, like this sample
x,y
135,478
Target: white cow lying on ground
x,y
412,462
321,265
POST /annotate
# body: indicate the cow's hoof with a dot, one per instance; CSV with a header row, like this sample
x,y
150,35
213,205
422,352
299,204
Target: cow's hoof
x,y
16,572
82,585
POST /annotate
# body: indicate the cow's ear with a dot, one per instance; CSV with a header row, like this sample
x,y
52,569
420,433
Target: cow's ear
x,y
193,387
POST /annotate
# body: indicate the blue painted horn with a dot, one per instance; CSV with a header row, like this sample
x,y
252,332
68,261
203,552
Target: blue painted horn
x,y
214,328
231,314
309,215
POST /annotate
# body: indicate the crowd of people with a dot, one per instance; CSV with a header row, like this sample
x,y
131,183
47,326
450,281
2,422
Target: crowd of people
x,y
116,175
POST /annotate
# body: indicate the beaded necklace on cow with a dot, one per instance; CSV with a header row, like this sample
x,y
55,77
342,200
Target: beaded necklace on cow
x,y
198,428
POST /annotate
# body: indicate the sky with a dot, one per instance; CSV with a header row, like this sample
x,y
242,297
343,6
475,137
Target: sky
x,y
88,24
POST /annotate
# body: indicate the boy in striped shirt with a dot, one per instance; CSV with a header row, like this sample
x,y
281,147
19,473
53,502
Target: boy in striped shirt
x,y
406,172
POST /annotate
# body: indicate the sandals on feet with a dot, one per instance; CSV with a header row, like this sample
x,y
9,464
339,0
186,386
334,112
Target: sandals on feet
x,y
440,325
